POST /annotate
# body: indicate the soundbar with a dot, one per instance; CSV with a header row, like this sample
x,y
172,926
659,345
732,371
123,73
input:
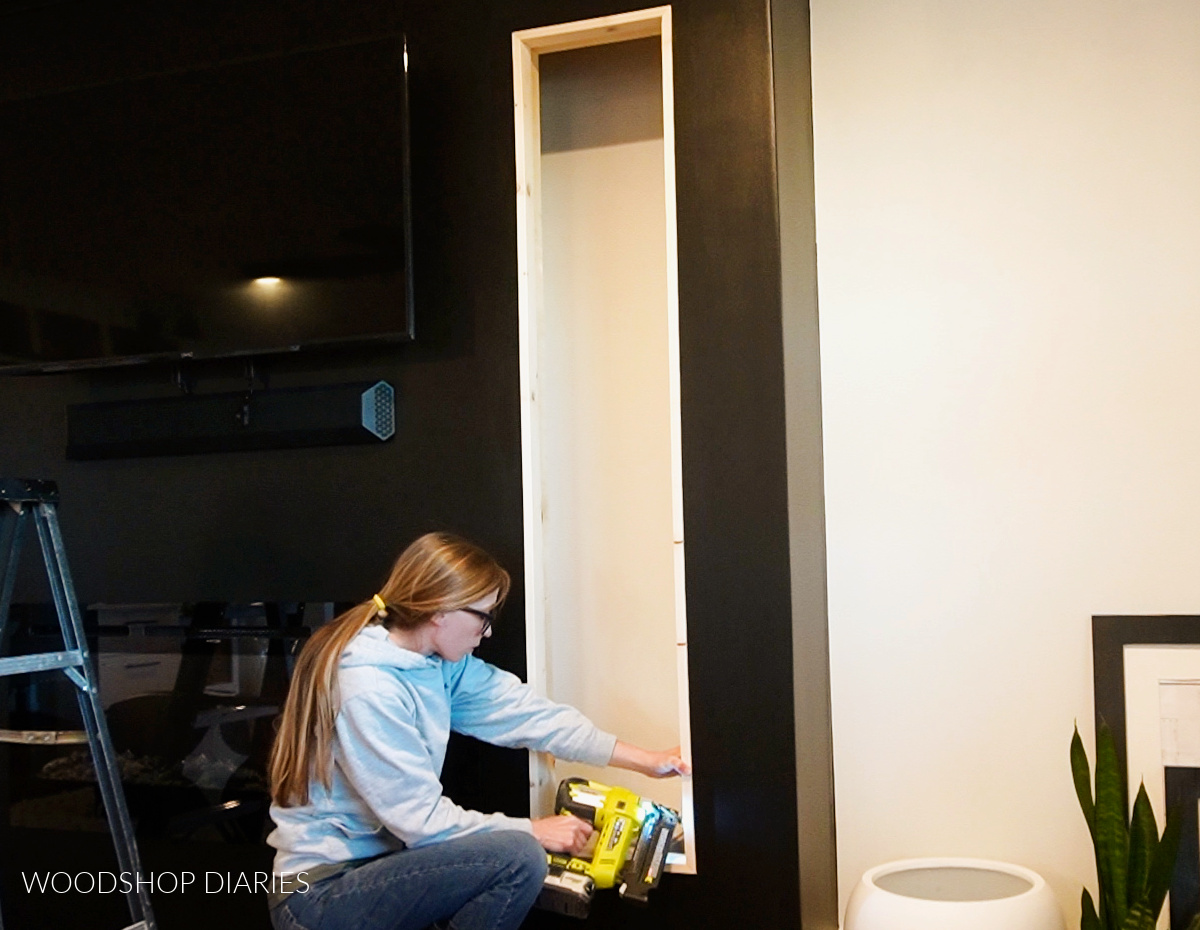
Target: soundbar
x,y
287,418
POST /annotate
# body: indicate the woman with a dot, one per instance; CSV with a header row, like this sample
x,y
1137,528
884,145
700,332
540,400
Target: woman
x,y
365,837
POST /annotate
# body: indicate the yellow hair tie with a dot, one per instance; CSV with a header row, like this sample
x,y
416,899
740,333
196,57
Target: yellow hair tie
x,y
380,604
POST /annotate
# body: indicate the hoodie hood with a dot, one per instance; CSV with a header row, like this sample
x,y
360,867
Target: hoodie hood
x,y
373,647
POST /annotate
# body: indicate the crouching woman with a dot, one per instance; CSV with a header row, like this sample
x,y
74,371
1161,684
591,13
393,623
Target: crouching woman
x,y
363,832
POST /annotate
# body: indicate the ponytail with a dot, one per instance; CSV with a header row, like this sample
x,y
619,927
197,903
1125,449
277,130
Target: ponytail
x,y
436,574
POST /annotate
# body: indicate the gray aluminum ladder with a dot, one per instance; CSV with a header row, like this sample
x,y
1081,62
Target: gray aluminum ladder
x,y
20,502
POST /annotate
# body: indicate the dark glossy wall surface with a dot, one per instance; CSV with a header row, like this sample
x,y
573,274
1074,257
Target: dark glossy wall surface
x,y
324,524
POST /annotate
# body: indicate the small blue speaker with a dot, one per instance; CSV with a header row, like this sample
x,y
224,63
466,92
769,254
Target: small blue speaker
x,y
379,410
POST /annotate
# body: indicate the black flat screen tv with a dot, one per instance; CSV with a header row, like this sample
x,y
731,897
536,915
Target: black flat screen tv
x,y
248,206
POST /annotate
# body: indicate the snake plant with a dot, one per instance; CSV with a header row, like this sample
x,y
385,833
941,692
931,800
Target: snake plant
x,y
1133,864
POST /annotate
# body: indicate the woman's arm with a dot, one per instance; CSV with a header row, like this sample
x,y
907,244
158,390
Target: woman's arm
x,y
497,707
386,758
647,762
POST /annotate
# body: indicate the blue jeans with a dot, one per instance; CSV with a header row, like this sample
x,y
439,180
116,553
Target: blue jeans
x,y
487,881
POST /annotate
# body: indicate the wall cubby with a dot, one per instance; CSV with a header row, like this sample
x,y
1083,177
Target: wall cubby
x,y
606,617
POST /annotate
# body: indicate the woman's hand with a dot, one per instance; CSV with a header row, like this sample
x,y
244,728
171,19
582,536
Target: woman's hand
x,y
655,764
564,833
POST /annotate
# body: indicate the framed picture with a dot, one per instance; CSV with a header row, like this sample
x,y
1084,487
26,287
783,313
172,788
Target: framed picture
x,y
1146,675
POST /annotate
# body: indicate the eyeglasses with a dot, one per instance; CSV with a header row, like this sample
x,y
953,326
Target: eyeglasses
x,y
488,617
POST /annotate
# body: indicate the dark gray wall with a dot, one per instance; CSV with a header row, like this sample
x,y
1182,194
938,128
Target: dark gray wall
x,y
325,523
806,485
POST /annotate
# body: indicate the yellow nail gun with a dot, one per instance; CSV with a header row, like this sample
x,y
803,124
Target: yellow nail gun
x,y
633,837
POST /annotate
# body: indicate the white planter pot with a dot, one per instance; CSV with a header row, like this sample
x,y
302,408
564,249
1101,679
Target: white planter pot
x,y
952,894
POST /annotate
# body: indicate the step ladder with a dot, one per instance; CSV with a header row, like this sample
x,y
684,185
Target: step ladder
x,y
23,501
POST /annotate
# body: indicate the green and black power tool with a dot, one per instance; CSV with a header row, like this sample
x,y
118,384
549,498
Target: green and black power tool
x,y
633,837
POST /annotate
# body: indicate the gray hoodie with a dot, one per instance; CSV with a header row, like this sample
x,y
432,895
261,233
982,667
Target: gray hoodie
x,y
396,713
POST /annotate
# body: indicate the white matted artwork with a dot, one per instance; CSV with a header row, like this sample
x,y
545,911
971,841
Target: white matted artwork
x,y
1179,720
1162,706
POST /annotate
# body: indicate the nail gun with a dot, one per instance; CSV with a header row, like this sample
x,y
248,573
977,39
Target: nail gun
x,y
633,837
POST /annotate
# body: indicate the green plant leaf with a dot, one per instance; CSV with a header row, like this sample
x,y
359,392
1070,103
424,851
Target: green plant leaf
x,y
1112,830
1139,917
1081,773
1143,841
1090,921
1162,864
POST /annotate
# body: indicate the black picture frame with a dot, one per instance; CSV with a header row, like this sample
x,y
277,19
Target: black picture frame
x,y
1110,636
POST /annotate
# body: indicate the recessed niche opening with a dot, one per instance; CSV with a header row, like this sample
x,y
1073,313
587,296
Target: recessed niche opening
x,y
606,623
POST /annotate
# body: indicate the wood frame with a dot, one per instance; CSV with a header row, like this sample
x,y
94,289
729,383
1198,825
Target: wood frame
x,y
527,46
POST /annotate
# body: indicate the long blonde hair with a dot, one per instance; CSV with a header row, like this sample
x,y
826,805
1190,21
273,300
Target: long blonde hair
x,y
438,573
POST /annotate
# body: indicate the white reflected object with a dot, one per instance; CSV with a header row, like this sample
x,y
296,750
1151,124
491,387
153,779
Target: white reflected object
x,y
1179,716
952,894
268,282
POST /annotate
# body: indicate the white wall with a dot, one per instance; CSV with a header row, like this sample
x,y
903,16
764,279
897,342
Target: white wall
x,y
1008,215
610,571
604,398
